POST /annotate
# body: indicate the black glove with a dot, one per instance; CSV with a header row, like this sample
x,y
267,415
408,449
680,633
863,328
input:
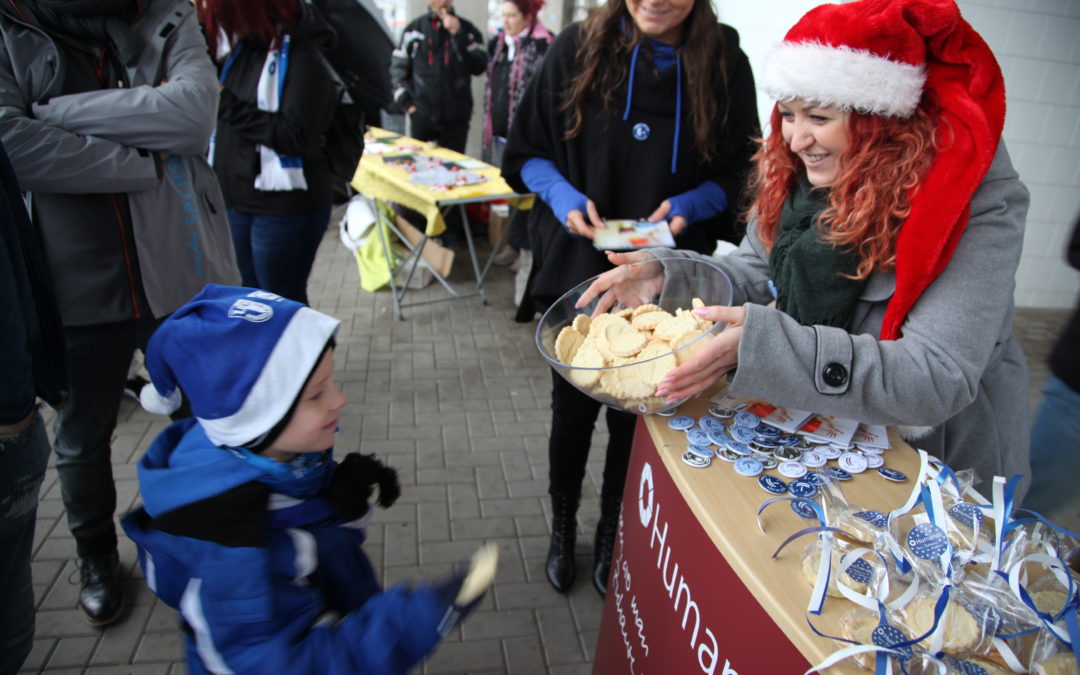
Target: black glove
x,y
353,482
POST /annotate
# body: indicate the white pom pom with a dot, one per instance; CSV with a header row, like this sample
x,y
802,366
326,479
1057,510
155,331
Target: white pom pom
x,y
154,402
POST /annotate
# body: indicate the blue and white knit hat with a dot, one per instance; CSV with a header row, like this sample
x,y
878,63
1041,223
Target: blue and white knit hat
x,y
241,355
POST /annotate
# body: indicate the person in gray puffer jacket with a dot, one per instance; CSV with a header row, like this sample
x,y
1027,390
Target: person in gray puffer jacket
x,y
106,111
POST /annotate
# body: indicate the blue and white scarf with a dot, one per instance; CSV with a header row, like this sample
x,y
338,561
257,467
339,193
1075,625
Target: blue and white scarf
x,y
277,172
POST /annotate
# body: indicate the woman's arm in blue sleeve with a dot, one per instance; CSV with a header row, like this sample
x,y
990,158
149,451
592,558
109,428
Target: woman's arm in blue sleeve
x,y
701,203
543,179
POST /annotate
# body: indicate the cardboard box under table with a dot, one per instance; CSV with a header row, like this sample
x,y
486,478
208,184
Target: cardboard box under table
x,y
694,587
385,183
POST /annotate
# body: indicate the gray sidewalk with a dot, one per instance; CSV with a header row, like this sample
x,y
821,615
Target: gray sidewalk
x,y
456,397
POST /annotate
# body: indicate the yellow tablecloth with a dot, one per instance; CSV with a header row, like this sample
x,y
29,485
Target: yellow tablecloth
x,y
380,181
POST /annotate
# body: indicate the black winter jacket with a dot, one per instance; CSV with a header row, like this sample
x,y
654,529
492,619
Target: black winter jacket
x,y
32,341
431,69
1065,359
625,177
297,129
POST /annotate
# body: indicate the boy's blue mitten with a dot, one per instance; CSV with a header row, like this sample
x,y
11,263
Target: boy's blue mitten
x,y
353,482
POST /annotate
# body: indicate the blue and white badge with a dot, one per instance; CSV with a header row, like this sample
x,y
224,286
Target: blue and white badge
x,y
892,474
711,424
790,440
681,422
803,509
702,451
695,461
829,452
860,571
741,434
772,484
813,459
874,461
739,448
927,541
767,431
697,436
836,473
875,518
747,419
816,478
870,449
802,488
719,438
641,131
667,413
967,514
791,468
852,462
748,466
722,413
767,462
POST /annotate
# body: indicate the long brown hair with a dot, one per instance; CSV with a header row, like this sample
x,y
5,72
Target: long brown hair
x,y
608,38
884,162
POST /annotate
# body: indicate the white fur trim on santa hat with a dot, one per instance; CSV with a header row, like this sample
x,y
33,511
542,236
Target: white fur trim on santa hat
x,y
294,356
842,77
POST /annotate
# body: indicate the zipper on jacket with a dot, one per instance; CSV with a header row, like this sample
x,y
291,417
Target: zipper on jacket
x,y
128,269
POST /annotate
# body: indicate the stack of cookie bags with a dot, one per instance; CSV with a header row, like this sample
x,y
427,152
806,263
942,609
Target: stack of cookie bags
x,y
947,583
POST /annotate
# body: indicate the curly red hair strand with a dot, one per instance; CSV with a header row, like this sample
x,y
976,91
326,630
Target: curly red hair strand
x,y
882,165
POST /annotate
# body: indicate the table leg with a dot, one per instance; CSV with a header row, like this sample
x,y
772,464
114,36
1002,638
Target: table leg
x,y
472,252
388,256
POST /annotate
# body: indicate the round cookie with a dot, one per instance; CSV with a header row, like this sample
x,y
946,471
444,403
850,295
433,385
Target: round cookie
x,y
567,344
810,560
961,630
582,323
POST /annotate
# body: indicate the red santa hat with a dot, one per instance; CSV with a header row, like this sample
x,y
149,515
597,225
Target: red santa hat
x,y
880,57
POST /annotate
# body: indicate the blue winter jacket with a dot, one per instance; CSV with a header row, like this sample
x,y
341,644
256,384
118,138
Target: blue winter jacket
x,y
266,582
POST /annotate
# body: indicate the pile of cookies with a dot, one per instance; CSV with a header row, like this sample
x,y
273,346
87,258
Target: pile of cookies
x,y
600,350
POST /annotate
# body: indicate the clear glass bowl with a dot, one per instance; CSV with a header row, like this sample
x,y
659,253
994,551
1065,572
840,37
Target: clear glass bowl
x,y
623,382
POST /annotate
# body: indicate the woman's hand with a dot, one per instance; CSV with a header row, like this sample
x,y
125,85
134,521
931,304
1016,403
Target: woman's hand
x,y
582,225
715,359
630,285
676,224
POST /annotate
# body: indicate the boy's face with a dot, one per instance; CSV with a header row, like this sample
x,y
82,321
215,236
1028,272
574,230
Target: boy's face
x,y
315,419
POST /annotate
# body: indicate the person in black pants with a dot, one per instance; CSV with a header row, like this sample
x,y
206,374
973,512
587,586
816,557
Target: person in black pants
x,y
633,114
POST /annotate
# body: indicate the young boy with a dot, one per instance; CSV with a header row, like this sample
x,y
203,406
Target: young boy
x,y
249,527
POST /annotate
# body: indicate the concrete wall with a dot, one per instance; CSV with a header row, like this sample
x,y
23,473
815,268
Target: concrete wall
x,y
1035,42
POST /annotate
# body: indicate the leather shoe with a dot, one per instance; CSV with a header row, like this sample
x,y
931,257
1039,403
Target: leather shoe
x,y
101,593
559,567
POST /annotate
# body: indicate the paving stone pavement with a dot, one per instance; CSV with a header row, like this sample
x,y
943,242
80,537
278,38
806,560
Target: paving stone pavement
x,y
456,397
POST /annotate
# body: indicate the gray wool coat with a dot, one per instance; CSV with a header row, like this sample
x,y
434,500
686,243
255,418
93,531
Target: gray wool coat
x,y
955,384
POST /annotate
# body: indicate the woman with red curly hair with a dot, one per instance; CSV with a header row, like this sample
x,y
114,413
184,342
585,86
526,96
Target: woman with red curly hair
x,y
887,225
277,101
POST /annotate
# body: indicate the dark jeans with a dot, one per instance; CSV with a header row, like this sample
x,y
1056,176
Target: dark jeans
x,y
98,358
573,416
23,458
275,253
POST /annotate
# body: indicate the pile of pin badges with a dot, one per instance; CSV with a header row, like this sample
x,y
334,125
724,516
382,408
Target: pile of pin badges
x,y
753,447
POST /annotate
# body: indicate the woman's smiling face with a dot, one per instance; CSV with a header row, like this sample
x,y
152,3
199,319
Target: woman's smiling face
x,y
818,135
660,19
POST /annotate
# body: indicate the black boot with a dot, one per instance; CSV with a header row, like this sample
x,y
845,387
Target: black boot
x,y
605,541
560,559
101,593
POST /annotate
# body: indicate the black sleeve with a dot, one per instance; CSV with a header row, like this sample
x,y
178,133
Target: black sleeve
x,y
307,106
1074,246
732,166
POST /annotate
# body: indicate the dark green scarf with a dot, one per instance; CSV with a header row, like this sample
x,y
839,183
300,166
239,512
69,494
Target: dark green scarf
x,y
808,272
